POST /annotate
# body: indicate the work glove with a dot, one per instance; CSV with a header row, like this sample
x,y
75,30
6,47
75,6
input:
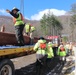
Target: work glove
x,y
8,11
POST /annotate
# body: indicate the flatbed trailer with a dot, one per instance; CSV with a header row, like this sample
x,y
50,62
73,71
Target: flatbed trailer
x,y
9,52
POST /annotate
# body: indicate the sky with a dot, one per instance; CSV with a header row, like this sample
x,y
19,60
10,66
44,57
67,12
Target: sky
x,y
34,9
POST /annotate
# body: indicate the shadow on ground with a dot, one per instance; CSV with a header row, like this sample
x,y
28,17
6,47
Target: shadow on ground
x,y
55,69
27,70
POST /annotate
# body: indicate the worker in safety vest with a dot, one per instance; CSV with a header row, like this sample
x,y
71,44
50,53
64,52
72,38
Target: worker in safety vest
x,y
29,28
19,25
62,53
40,48
50,55
29,31
32,29
50,50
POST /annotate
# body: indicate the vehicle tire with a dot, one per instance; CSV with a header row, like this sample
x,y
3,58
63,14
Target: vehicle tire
x,y
7,67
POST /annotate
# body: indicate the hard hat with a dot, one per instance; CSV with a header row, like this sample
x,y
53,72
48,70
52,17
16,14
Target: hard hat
x,y
49,42
41,38
15,9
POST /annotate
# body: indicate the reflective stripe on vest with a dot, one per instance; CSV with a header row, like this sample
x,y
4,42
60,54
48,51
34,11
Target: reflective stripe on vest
x,y
19,20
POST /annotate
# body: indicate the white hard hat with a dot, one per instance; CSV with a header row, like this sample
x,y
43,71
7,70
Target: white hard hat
x,y
14,8
49,42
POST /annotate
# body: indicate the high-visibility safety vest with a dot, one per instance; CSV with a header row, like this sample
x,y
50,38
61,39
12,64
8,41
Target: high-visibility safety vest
x,y
32,29
38,49
49,51
27,28
19,20
61,51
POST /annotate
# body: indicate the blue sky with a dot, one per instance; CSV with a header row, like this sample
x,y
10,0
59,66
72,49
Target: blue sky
x,y
34,9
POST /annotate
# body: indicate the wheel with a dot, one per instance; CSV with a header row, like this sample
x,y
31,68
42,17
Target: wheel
x,y
7,67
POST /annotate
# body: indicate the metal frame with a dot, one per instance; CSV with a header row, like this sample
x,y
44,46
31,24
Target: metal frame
x,y
10,51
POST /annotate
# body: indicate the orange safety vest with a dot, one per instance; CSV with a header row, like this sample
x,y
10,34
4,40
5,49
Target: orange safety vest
x,y
42,45
62,49
14,19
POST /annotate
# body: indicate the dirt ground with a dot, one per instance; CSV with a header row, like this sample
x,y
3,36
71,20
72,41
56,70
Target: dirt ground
x,y
24,64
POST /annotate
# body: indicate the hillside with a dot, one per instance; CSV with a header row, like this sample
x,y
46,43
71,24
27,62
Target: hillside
x,y
7,21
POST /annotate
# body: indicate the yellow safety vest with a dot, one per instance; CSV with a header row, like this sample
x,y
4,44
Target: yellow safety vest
x,y
19,20
32,29
27,28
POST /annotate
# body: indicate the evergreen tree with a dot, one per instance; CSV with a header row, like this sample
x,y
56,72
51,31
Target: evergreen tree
x,y
50,25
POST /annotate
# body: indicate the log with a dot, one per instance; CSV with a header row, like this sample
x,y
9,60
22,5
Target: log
x,y
10,39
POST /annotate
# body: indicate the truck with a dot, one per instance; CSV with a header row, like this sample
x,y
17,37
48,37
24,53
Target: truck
x,y
55,40
7,53
9,50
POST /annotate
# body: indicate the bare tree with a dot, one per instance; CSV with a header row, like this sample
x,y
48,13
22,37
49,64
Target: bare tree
x,y
73,20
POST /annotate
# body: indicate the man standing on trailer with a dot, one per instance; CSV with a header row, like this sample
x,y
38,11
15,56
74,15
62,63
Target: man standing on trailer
x,y
19,25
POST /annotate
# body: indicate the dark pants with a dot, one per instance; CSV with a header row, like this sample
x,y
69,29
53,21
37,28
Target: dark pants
x,y
41,66
19,34
48,62
70,52
67,52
